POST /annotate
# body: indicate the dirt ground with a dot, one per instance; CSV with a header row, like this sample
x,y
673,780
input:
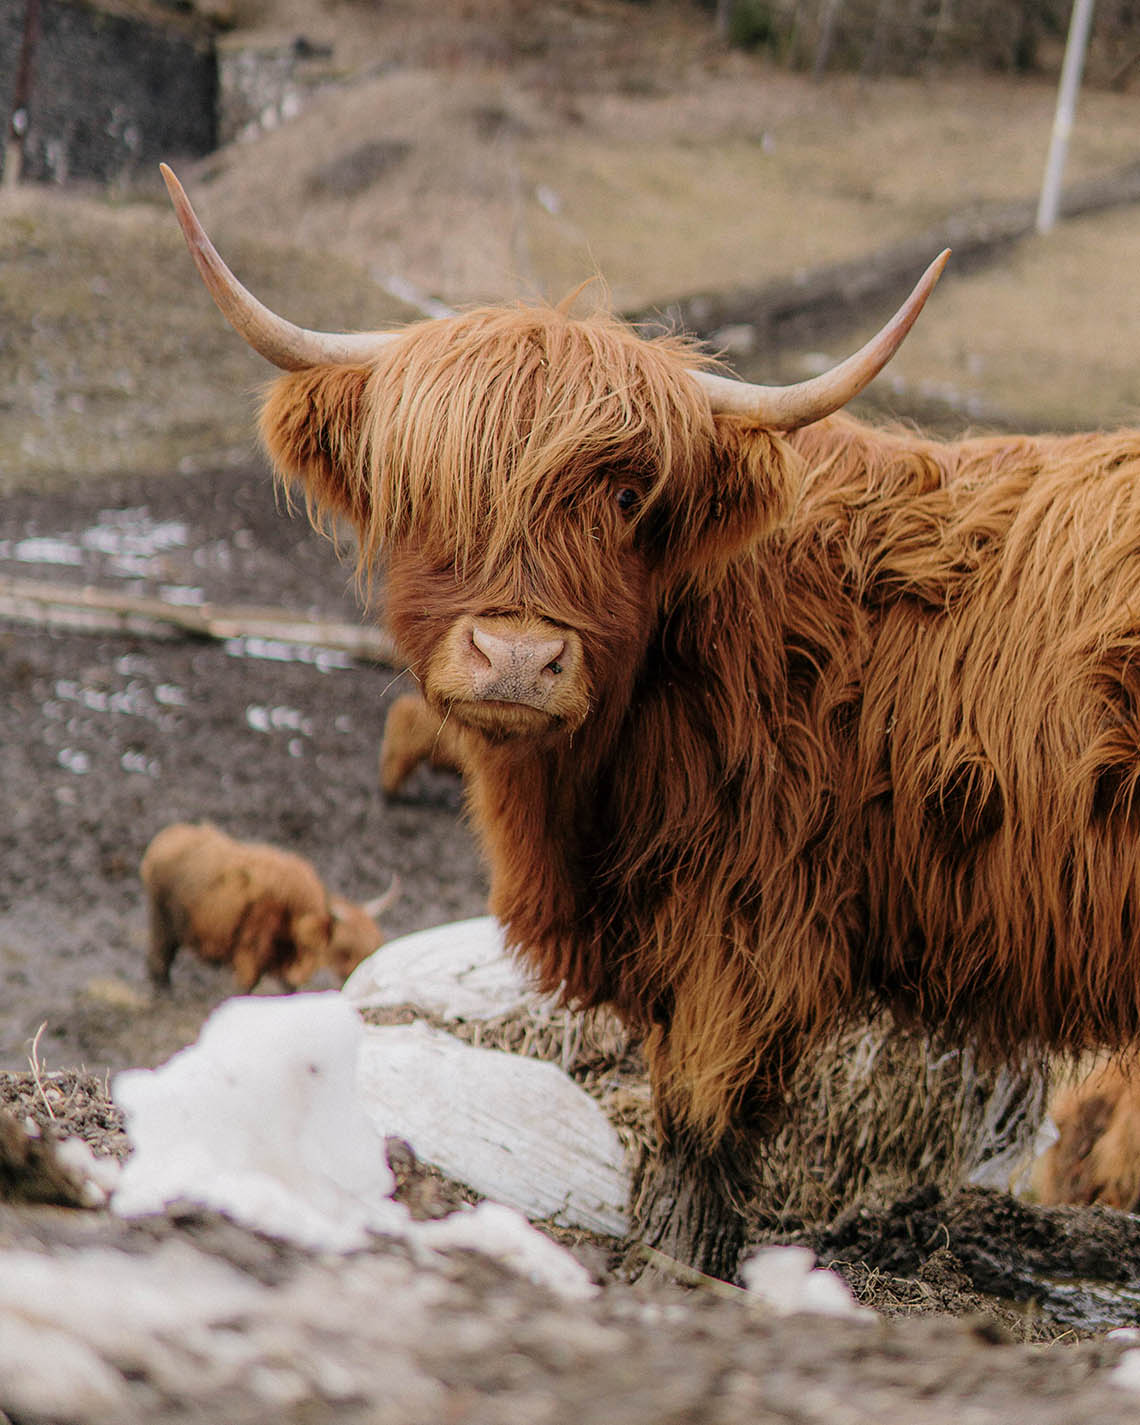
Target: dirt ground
x,y
117,737
126,463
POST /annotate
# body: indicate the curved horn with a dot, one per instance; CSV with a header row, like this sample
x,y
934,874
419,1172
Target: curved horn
x,y
377,907
789,407
290,347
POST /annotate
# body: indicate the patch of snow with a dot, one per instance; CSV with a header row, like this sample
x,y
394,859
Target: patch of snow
x,y
788,1280
1126,1372
260,1119
279,719
182,595
264,1119
276,650
506,1235
45,549
97,1177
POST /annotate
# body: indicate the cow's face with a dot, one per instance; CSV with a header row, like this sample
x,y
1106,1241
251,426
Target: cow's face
x,y
353,936
536,490
539,485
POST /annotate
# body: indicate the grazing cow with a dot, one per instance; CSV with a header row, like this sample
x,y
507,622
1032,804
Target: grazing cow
x,y
414,734
1096,1157
766,715
259,909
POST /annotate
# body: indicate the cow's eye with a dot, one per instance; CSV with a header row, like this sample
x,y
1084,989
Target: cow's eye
x,y
626,498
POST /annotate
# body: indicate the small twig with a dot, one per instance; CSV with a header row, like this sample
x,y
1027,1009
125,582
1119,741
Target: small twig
x,y
687,1276
34,1061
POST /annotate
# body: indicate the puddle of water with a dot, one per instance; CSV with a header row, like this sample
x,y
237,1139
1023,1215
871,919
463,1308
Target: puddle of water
x,y
275,650
278,720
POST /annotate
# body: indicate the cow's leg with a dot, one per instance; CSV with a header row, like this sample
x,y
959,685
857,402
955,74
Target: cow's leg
x,y
413,733
410,731
164,941
259,944
691,1203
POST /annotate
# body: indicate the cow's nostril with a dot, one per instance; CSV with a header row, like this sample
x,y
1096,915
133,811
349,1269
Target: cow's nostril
x,y
481,645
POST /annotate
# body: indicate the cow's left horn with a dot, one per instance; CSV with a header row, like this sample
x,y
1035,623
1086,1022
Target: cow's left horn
x,y
290,347
789,407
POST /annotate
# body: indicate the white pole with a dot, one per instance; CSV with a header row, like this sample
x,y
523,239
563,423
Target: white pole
x,y
1080,22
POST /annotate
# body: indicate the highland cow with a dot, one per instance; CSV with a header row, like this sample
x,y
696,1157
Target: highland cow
x,y
254,907
766,716
1096,1158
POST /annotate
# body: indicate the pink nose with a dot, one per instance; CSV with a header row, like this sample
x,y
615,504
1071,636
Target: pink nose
x,y
519,667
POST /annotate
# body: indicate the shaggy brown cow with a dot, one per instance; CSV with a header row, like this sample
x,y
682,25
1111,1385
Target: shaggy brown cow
x,y
758,727
254,907
1096,1157
414,734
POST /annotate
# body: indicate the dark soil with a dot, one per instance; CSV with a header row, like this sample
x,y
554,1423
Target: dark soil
x,y
107,739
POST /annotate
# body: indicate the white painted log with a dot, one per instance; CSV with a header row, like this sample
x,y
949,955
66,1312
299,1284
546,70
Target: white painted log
x,y
457,971
517,1130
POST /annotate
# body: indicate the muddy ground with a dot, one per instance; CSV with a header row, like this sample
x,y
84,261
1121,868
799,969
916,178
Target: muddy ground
x,y
107,739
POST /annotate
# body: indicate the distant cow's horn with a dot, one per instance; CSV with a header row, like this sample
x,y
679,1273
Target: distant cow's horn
x,y
789,407
377,907
290,347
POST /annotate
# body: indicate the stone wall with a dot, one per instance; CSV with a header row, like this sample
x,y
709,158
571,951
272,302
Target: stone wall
x,y
114,88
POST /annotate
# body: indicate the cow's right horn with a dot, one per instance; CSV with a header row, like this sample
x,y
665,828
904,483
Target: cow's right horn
x,y
376,908
789,407
289,347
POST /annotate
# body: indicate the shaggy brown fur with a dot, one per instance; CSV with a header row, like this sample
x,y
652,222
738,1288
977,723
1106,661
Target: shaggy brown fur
x,y
863,709
1096,1157
254,907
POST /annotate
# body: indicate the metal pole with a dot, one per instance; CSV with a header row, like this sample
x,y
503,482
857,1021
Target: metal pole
x,y
1080,22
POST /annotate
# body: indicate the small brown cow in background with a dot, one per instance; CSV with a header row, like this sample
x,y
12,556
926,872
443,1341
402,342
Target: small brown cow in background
x,y
252,906
1096,1158
414,733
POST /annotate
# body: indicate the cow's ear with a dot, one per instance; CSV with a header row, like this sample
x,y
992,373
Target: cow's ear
x,y
312,426
746,494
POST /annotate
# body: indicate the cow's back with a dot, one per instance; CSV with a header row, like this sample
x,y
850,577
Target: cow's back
x,y
997,752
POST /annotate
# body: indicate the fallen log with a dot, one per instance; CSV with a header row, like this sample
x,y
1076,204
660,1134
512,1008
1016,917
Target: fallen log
x,y
86,608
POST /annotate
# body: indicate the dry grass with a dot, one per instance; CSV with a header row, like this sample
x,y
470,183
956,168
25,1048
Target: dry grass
x,y
110,359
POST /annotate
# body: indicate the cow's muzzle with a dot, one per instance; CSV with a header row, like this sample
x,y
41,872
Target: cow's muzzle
x,y
489,668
